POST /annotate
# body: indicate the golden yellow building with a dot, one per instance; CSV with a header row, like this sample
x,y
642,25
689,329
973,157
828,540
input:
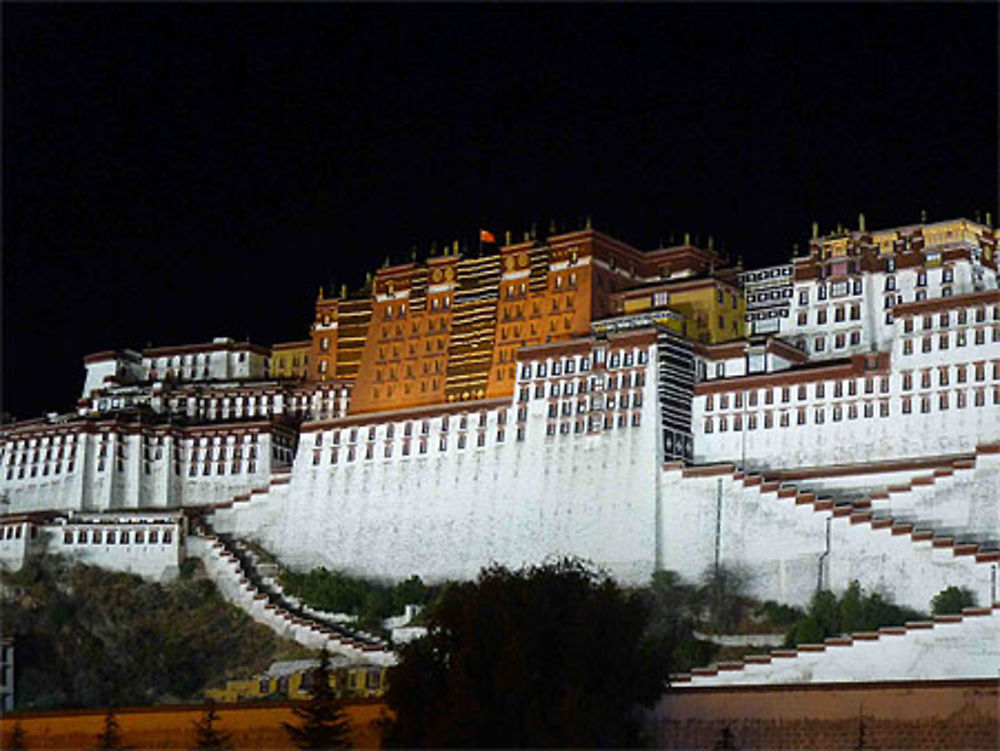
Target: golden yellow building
x,y
712,308
290,359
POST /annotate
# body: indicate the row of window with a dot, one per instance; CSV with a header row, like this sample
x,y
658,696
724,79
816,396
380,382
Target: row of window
x,y
351,452
819,391
23,472
851,411
43,441
944,340
840,314
118,537
220,468
944,320
773,294
634,379
594,404
447,421
944,375
595,423
568,365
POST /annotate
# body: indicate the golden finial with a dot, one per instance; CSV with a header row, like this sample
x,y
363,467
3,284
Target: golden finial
x,y
861,222
552,226
343,291
385,263
534,230
413,254
527,236
989,219
454,248
711,243
590,223
815,230
687,238
321,292
923,216
507,237
368,279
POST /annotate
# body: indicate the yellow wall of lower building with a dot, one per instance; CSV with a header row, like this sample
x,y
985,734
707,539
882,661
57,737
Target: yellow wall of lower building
x,y
290,361
257,725
359,682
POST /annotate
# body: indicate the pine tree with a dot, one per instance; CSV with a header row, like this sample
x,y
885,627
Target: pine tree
x,y
17,740
324,724
110,737
206,734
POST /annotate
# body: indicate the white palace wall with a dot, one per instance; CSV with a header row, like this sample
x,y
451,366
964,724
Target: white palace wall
x,y
535,488
781,545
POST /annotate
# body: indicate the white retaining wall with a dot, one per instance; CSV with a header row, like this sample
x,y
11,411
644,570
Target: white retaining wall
x,y
447,513
951,647
780,545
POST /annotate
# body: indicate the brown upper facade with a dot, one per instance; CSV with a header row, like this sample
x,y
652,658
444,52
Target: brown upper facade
x,y
450,329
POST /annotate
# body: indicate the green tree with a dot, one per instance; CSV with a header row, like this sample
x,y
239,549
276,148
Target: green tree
x,y
110,736
324,723
952,600
548,656
674,610
723,593
17,740
206,734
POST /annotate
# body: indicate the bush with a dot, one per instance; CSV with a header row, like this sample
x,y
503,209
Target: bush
x,y
550,656
952,600
371,601
854,611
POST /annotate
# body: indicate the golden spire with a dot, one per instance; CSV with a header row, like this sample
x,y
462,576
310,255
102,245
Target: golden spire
x,y
320,292
552,226
861,222
687,238
815,230
589,224
454,248
368,279
343,291
507,237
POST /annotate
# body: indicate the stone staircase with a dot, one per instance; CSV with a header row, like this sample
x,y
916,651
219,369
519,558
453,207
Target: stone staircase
x,y
903,513
232,569
949,646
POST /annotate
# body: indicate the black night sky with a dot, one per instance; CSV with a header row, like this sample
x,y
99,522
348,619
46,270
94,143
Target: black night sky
x,y
177,172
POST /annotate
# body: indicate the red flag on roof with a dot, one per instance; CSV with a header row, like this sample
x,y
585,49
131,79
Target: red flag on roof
x,y
486,237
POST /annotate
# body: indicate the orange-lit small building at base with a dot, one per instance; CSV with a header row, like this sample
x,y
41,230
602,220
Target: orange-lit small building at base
x,y
254,725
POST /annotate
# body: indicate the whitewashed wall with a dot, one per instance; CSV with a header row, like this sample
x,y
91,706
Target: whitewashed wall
x,y
448,513
780,544
968,647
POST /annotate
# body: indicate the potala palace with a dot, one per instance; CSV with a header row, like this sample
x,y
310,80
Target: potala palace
x,y
830,419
